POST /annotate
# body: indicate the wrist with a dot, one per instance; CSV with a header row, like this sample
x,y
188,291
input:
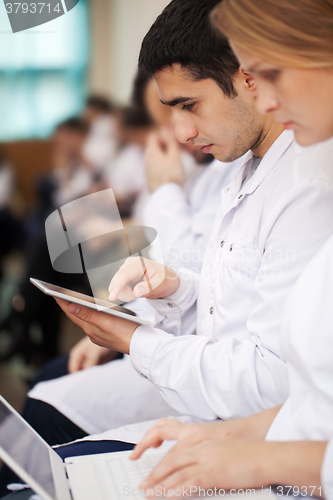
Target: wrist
x,y
256,426
295,463
126,338
154,185
173,281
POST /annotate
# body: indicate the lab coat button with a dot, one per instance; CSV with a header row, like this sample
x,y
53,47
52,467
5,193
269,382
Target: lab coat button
x,y
240,196
222,243
231,248
170,304
211,310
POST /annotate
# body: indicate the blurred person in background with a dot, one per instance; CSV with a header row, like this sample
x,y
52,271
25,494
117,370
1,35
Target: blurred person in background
x,y
102,142
69,177
12,235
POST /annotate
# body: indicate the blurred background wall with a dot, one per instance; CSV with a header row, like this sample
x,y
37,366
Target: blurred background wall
x,y
47,72
117,29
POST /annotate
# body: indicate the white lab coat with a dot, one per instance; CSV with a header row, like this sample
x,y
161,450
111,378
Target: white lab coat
x,y
307,343
185,216
262,239
108,396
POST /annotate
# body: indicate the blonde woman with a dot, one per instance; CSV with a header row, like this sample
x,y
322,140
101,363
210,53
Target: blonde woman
x,y
288,46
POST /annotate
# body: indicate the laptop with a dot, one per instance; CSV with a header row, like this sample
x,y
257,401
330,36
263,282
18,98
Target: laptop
x,y
107,476
99,477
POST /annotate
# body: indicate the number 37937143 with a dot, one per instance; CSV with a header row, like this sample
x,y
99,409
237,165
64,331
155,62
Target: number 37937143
x,y
32,8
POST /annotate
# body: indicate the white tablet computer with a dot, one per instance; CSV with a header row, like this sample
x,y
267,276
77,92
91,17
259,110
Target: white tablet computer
x,y
88,301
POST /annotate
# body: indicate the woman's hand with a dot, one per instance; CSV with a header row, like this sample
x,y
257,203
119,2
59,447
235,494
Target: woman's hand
x,y
252,427
239,465
210,464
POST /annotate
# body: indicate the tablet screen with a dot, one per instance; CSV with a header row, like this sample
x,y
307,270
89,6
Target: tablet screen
x,y
82,296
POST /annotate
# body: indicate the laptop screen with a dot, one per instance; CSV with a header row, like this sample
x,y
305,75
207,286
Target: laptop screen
x,y
26,448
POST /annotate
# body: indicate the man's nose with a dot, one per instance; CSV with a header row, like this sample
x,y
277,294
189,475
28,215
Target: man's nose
x,y
184,128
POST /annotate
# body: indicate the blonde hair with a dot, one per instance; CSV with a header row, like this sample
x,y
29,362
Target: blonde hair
x,y
293,33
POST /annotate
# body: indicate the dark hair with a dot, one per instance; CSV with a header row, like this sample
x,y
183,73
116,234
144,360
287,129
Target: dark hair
x,y
74,125
102,104
183,34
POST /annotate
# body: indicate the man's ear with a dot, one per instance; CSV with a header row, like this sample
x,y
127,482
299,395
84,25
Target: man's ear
x,y
249,80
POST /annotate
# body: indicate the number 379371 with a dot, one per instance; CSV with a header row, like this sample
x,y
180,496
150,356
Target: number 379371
x,y
32,8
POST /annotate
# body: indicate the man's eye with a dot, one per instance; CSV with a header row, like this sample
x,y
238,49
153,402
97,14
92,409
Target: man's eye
x,y
188,107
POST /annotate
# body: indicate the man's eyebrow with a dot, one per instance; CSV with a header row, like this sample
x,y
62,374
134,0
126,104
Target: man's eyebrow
x,y
174,102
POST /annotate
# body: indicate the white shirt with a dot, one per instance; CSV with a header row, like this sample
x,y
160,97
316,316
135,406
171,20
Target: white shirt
x,y
73,187
263,237
126,173
102,143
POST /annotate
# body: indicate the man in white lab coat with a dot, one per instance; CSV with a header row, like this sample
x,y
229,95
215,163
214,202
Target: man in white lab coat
x,y
273,217
85,397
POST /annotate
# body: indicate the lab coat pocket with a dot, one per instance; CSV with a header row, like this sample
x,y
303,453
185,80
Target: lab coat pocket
x,y
242,262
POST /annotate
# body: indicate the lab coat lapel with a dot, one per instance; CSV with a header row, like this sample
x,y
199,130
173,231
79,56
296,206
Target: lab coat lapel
x,y
230,191
233,194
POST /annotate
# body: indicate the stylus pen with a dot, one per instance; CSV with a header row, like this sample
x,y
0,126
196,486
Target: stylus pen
x,y
145,270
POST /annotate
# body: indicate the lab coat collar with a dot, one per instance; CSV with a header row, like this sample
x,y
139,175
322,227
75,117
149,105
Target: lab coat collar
x,y
234,194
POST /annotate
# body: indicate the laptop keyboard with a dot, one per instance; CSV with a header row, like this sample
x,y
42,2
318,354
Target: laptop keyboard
x,y
124,475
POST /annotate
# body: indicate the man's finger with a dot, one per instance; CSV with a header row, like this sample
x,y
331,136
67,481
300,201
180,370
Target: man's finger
x,y
126,294
152,141
151,281
76,313
84,313
75,362
89,361
123,277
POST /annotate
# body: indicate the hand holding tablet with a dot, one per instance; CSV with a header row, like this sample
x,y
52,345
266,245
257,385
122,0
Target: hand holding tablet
x,y
88,301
